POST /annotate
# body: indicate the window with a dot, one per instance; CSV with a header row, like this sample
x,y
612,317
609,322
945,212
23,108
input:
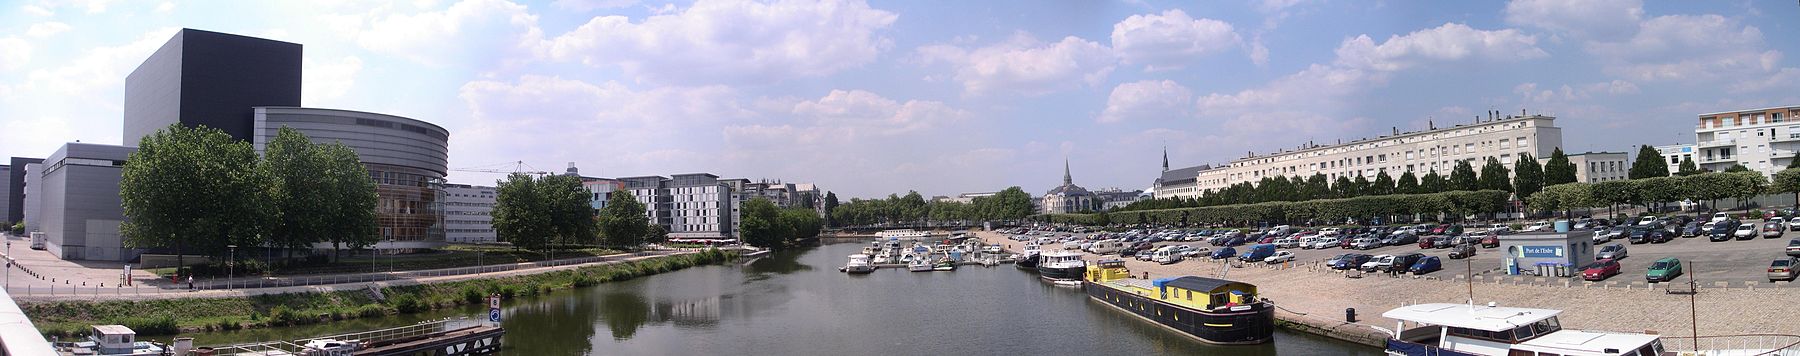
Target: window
x,y
1521,142
1504,144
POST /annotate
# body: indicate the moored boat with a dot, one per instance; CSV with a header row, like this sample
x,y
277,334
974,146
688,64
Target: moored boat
x,y
944,265
1028,258
919,263
859,264
901,233
1467,329
1215,311
1061,264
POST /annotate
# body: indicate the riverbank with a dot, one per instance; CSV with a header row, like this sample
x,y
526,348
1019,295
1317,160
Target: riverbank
x,y
169,316
1315,299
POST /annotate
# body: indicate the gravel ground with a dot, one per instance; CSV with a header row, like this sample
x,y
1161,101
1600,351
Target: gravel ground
x,y
1321,292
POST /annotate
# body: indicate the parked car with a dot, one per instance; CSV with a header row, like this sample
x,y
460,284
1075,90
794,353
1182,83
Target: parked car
x,y
1793,224
1325,242
1427,242
1167,256
1692,229
1279,257
1722,230
1426,264
1745,232
1660,236
1377,263
1224,253
1720,216
1600,270
1611,252
1774,229
1354,260
1664,270
1257,253
1601,237
1793,248
1783,269
1490,241
1638,235
1462,251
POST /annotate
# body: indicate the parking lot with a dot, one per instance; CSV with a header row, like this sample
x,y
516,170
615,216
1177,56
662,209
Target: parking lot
x,y
1733,261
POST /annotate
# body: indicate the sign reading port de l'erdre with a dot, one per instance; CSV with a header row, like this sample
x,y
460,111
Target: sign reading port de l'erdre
x,y
1543,251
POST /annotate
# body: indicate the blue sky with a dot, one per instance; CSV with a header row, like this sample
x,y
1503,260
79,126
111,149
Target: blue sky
x,y
941,97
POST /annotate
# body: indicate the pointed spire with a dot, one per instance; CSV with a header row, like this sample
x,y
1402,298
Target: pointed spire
x,y
1067,180
1165,158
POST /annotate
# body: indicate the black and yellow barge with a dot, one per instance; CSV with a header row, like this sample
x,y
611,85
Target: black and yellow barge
x,y
1215,311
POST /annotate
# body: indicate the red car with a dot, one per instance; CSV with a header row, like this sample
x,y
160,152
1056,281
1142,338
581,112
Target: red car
x,y
1600,270
1268,240
1345,242
1439,230
1426,242
1491,241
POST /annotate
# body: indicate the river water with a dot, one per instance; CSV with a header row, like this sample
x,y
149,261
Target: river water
x,y
797,303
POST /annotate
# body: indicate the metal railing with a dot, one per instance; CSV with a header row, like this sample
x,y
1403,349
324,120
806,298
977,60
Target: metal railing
x,y
365,338
1734,345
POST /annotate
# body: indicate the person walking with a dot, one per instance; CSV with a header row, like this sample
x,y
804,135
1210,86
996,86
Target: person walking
x,y
190,283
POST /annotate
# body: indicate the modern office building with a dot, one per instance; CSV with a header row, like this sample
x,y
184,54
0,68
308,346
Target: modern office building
x,y
407,158
599,189
691,206
1435,149
1595,167
15,188
468,213
6,196
212,79
76,202
1068,197
1676,153
1763,140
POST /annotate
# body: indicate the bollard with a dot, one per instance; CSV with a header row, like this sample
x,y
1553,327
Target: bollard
x,y
1350,315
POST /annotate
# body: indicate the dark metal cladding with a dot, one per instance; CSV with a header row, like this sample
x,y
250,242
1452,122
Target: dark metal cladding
x,y
211,79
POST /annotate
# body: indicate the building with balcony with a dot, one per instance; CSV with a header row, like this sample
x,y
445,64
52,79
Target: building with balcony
x,y
1763,140
1676,153
1435,149
693,206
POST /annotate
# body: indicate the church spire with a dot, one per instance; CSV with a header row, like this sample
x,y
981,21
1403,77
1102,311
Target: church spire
x,y
1165,158
1067,180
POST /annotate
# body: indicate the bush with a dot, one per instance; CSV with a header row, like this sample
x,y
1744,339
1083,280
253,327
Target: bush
x,y
226,324
155,325
281,315
408,304
472,295
370,310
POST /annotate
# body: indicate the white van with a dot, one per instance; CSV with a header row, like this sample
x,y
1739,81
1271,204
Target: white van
x,y
1308,241
1106,247
1721,216
1281,230
1166,256
1330,231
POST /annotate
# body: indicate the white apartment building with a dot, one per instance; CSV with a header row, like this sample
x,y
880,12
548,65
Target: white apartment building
x,y
1436,149
1763,140
1595,167
1674,154
468,213
690,206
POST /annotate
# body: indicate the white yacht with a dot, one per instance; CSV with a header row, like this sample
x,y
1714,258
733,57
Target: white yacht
x,y
919,263
1062,265
1464,329
901,233
859,264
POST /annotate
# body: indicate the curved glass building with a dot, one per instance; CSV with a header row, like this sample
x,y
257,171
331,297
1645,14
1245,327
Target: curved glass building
x,y
407,158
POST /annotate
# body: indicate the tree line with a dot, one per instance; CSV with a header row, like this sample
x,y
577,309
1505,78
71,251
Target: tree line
x,y
199,190
1698,187
544,212
1013,203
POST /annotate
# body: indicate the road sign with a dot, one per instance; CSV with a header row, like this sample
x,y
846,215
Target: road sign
x,y
494,315
494,308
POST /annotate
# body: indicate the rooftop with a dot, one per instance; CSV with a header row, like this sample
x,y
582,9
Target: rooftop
x,y
1478,317
1595,341
1749,110
1311,148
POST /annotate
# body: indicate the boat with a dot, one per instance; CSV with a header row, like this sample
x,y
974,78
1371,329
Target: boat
x,y
331,347
919,263
1028,258
901,234
944,264
1061,264
859,264
1214,311
1468,329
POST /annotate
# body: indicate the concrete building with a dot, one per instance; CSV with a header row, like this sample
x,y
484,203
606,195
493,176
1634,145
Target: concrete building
x,y
75,195
1595,167
407,158
1177,183
6,196
1675,153
15,188
1763,140
691,206
468,213
210,78
1547,254
1435,149
1068,197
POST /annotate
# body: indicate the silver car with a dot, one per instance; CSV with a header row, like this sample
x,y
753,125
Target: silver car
x,y
1613,252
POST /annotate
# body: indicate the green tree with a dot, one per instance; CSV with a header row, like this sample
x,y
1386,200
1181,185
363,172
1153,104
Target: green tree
x,y
1528,176
1343,187
521,213
1382,185
1613,193
1013,203
762,225
1463,177
1494,176
1316,187
1558,170
657,234
1708,187
1433,182
571,207
1649,164
1787,181
803,223
1746,185
831,204
1408,184
623,222
294,166
194,189
1688,168
352,197
1737,168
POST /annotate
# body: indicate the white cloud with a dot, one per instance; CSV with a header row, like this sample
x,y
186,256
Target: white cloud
x,y
323,82
1585,19
165,7
1688,48
1259,54
14,53
732,41
1171,39
591,5
97,68
1024,65
1148,99
467,29
1450,42
38,11
46,29
870,112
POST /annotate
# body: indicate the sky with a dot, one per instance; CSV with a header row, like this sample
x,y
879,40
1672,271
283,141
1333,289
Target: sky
x,y
942,97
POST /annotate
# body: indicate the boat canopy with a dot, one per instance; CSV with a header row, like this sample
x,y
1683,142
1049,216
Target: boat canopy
x,y
1471,317
1567,341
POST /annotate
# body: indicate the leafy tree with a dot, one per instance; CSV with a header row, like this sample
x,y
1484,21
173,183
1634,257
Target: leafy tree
x,y
1649,164
194,188
1615,192
294,165
1013,203
1408,184
1463,177
762,226
1494,176
1657,190
831,204
1382,185
1528,176
571,209
1688,168
1787,181
1746,185
521,213
1558,170
1317,187
351,212
1792,163
1343,187
803,223
1433,183
1709,187
657,234
1737,168
623,221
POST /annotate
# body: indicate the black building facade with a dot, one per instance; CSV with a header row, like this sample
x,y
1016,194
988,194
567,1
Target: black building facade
x,y
212,79
15,199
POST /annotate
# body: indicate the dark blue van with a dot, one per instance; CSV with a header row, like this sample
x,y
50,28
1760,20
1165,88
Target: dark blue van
x,y
1224,253
1257,253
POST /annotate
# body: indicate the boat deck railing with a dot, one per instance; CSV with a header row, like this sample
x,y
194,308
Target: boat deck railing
x,y
366,338
1734,345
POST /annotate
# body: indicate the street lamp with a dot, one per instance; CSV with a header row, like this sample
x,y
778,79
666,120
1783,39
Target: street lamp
x,y
390,258
230,266
9,262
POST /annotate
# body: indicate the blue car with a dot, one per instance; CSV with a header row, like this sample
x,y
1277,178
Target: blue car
x,y
1224,253
1426,265
1257,253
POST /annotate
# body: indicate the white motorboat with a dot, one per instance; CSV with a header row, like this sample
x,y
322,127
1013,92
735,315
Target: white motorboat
x,y
919,263
1464,329
859,264
901,234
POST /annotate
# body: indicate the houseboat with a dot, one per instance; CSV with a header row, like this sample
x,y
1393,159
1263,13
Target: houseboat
x,y
1028,258
859,264
1061,265
1466,329
1215,311
901,234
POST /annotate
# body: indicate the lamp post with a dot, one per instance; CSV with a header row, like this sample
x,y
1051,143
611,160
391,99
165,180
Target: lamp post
x,y
9,262
390,258
230,266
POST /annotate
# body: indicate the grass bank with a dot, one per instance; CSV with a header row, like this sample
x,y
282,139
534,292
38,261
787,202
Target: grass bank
x,y
171,316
